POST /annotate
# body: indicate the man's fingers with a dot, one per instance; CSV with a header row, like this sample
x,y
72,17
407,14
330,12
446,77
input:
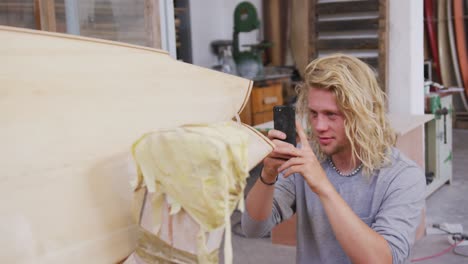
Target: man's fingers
x,y
276,155
290,171
291,162
280,144
276,134
302,136
287,150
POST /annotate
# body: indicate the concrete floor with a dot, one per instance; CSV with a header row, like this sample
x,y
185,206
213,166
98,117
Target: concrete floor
x,y
448,204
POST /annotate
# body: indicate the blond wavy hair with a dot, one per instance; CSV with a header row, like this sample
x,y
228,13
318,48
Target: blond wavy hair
x,y
362,103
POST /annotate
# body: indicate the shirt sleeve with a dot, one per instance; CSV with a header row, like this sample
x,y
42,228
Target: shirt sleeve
x,y
400,212
284,203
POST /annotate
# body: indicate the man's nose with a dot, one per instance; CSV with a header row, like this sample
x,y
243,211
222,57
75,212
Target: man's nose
x,y
321,124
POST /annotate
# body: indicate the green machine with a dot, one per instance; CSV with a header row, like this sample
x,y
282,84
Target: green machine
x,y
249,63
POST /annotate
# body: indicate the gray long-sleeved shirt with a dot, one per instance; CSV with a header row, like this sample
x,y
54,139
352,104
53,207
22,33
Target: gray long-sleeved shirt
x,y
390,203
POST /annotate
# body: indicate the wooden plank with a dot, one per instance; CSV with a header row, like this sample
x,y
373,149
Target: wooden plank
x,y
275,32
368,56
332,8
67,132
11,7
312,51
344,25
373,62
50,23
354,43
44,12
18,14
383,44
301,29
37,14
152,23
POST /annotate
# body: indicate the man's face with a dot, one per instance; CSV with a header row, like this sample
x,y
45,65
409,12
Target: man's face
x,y
328,122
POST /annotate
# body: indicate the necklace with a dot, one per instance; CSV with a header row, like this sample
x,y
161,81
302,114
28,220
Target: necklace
x,y
354,172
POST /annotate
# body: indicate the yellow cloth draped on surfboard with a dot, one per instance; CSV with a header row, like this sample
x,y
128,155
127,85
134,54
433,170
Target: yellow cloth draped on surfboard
x,y
202,168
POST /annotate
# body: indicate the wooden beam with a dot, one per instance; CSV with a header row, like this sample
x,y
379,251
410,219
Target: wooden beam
x,y
274,14
51,20
351,43
37,14
347,7
312,29
14,7
347,25
383,43
44,13
152,23
303,33
372,61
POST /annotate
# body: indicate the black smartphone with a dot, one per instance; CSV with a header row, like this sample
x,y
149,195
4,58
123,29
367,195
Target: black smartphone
x,y
284,119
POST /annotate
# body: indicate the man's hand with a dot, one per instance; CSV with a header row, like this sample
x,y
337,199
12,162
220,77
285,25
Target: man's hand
x,y
275,159
259,202
304,162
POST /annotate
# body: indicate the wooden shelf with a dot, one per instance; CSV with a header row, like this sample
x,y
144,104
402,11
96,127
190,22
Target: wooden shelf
x,y
405,123
332,8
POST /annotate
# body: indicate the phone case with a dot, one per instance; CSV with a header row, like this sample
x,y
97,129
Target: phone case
x,y
284,119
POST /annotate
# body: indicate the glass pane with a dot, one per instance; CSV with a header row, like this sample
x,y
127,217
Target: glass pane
x,y
17,13
118,20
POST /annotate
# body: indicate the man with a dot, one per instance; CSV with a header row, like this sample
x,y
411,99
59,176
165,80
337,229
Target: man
x,y
357,199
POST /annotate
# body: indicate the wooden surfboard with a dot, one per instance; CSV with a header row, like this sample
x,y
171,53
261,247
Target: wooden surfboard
x,y
458,98
426,48
458,13
432,35
446,65
466,19
70,110
453,45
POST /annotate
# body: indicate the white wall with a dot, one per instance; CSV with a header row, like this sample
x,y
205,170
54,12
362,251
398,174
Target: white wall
x,y
406,57
166,14
214,20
